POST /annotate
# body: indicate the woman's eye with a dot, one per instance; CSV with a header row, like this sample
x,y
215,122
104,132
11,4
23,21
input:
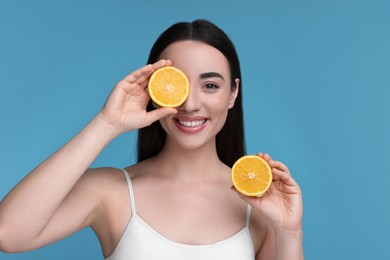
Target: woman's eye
x,y
210,86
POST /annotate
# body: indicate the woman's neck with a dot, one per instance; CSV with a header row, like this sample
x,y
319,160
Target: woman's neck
x,y
190,164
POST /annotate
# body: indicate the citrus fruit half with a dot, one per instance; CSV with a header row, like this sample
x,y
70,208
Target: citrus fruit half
x,y
168,87
251,175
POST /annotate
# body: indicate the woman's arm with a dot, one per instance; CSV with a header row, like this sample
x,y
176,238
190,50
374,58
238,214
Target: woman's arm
x,y
282,209
28,208
289,244
281,245
46,197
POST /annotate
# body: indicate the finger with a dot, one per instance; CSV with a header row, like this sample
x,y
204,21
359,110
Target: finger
x,y
143,80
159,113
285,177
267,157
279,165
262,155
142,72
144,85
161,63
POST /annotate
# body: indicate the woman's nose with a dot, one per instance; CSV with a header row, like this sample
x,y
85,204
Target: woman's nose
x,y
192,102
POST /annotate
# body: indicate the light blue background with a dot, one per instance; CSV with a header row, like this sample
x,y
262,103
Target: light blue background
x,y
316,78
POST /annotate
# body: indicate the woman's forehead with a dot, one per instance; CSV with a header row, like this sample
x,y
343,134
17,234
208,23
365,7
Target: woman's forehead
x,y
196,57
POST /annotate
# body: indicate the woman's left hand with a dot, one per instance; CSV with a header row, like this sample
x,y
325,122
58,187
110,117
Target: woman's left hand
x,y
282,204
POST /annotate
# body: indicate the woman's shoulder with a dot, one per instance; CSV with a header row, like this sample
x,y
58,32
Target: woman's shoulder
x,y
140,169
109,185
103,181
104,174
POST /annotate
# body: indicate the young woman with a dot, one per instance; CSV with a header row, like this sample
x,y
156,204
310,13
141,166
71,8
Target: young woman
x,y
177,201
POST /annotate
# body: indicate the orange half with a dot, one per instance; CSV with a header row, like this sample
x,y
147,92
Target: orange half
x,y
251,175
168,87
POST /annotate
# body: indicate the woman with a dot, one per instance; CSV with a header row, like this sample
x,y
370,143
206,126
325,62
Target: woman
x,y
177,201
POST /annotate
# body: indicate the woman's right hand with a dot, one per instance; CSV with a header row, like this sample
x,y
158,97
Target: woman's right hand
x,y
125,108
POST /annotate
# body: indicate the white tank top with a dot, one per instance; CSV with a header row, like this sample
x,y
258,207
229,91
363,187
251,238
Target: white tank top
x,y
140,241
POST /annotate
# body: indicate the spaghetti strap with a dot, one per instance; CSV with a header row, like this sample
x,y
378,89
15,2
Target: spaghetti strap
x,y
131,192
248,215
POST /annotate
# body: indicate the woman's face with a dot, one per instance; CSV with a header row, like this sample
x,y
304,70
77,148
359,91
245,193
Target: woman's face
x,y
204,112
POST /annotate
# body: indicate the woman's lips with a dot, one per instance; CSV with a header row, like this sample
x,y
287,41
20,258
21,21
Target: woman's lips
x,y
194,123
190,125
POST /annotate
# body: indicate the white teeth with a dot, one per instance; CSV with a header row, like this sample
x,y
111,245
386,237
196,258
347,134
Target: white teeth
x,y
192,123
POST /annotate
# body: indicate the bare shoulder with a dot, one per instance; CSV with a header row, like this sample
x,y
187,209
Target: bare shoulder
x,y
104,182
110,186
103,175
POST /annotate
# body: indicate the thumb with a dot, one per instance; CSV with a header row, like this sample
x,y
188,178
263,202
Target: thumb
x,y
159,113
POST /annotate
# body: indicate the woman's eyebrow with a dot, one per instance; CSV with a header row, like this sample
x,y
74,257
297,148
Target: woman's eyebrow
x,y
206,75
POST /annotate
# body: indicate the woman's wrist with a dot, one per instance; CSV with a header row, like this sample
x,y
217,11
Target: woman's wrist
x,y
109,131
289,234
289,244
107,126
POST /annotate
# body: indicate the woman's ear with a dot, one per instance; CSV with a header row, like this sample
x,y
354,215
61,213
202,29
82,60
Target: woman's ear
x,y
234,93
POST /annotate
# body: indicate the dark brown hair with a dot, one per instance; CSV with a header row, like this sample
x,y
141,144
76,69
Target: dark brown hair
x,y
230,141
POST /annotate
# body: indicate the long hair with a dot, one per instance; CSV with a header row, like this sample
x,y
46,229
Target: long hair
x,y
230,141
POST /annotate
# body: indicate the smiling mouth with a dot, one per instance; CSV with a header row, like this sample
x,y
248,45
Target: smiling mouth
x,y
193,123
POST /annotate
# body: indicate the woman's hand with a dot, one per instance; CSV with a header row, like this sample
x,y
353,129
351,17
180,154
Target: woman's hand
x,y
281,205
125,108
